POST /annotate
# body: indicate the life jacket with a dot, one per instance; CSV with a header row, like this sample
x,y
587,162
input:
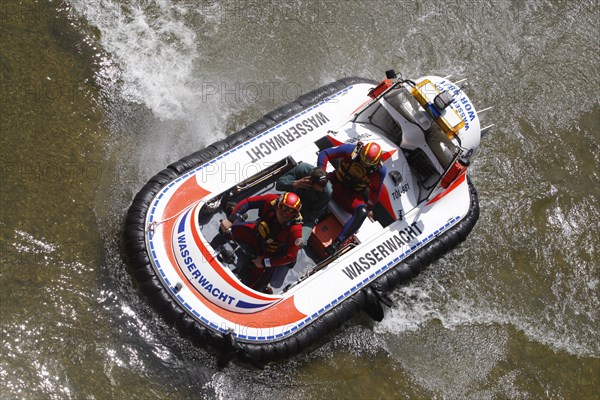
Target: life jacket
x,y
272,236
353,174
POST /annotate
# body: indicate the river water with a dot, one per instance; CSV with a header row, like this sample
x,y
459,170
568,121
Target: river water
x,y
98,95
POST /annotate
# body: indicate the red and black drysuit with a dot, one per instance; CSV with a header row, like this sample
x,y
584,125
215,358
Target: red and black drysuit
x,y
278,243
355,187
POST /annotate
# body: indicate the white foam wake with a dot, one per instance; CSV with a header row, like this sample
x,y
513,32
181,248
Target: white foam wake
x,y
426,300
153,48
29,244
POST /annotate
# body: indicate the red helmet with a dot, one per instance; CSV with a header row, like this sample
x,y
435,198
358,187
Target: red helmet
x,y
370,153
290,204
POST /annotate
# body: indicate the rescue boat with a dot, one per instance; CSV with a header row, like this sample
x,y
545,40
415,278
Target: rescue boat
x,y
429,132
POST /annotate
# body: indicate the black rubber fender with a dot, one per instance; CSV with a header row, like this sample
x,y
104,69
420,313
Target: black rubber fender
x,y
198,334
185,325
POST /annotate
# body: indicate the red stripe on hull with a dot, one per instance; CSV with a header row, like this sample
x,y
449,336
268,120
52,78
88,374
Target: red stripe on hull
x,y
453,186
282,313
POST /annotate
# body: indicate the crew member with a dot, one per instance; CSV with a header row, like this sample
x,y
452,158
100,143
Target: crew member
x,y
357,183
275,237
314,189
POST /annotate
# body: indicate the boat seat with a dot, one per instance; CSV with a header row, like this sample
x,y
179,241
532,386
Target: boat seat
x,y
342,215
368,229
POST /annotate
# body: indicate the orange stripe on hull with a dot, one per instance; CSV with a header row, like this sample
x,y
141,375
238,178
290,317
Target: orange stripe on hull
x,y
282,313
453,186
217,266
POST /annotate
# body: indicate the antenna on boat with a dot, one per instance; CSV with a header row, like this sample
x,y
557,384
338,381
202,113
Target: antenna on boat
x,y
481,114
